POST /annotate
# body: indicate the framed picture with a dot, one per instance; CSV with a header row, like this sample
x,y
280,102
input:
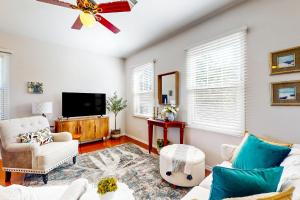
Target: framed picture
x,y
285,61
35,87
286,93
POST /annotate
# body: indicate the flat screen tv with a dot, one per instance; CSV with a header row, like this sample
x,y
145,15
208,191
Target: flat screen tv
x,y
83,104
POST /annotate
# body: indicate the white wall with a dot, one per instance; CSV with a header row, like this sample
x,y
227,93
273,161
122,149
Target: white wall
x,y
60,69
273,25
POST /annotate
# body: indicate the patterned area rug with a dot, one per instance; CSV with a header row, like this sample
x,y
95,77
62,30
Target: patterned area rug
x,y
129,163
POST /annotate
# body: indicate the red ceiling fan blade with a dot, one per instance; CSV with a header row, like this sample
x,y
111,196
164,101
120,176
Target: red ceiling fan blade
x,y
118,6
58,3
77,24
107,24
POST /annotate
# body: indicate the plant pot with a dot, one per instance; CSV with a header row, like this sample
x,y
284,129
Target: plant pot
x,y
116,134
158,150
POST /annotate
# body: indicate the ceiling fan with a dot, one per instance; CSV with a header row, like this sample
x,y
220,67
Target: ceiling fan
x,y
91,11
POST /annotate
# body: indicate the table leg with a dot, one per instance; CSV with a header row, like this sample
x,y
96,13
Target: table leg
x,y
181,135
150,135
165,136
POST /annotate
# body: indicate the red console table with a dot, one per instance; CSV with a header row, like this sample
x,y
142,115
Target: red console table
x,y
165,125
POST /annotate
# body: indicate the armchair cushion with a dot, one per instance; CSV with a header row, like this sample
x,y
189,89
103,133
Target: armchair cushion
x,y
62,137
55,152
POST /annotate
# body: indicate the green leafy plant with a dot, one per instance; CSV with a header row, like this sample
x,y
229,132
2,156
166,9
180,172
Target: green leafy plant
x,y
107,185
115,105
160,143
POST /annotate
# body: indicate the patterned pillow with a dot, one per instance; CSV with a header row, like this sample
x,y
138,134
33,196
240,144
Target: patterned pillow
x,y
26,138
285,195
42,137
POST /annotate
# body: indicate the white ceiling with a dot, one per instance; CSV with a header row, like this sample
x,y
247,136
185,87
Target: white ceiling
x,y
148,22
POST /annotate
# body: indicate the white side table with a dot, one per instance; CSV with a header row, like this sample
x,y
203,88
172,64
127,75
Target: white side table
x,y
123,192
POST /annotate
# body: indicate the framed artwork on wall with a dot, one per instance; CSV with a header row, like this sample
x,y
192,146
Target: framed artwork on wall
x,y
35,87
285,93
285,61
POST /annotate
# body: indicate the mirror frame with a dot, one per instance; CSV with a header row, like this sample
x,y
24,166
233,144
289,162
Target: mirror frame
x,y
159,85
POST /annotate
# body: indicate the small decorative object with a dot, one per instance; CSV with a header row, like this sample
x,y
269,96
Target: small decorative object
x,y
285,61
42,108
107,185
160,144
116,105
35,87
169,112
165,99
286,93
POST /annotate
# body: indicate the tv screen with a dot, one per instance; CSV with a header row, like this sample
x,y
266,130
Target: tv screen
x,y
83,104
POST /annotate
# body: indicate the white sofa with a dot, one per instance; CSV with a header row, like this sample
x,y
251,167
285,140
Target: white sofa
x,y
290,176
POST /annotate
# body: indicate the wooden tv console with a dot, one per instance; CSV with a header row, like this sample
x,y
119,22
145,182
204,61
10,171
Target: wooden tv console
x,y
87,129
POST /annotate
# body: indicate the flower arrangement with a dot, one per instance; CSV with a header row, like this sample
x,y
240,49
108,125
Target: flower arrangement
x,y
169,112
107,185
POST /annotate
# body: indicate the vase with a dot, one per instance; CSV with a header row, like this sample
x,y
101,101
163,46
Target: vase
x,y
171,116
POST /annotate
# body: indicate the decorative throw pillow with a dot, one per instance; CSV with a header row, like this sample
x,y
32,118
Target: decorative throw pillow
x,y
256,153
267,140
229,182
286,195
24,138
42,136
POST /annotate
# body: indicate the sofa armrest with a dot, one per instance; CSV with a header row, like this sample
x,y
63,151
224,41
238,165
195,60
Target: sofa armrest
x,y
227,151
23,147
62,137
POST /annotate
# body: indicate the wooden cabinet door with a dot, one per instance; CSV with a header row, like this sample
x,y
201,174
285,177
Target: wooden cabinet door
x,y
87,130
102,127
67,126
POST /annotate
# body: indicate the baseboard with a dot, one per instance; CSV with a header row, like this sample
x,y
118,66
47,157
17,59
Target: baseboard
x,y
140,140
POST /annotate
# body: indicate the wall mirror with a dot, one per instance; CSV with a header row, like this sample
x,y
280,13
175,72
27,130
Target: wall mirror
x,y
168,88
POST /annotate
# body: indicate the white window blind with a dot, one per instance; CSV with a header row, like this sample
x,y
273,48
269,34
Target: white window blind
x,y
4,106
216,74
143,90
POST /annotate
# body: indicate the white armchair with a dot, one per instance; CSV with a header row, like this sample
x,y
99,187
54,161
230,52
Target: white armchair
x,y
31,157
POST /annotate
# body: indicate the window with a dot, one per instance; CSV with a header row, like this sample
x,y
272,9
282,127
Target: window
x,y
143,90
216,85
4,107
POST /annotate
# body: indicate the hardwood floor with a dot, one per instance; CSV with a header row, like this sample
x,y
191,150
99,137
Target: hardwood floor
x,y
17,178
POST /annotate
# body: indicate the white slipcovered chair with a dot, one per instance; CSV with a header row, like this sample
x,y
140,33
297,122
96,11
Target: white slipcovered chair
x,y
31,157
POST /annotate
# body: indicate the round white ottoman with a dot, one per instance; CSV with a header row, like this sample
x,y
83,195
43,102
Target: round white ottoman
x,y
182,165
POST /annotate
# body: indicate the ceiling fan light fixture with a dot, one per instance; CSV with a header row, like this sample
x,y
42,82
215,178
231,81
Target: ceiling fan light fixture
x,y
87,19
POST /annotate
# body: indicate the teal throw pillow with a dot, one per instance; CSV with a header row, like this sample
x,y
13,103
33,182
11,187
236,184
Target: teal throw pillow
x,y
228,183
256,153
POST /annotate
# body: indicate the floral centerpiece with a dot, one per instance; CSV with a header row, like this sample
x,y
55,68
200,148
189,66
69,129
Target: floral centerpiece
x,y
107,185
169,112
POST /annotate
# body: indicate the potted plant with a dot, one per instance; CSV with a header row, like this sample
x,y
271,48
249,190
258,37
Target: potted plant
x,y
169,112
160,144
115,105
